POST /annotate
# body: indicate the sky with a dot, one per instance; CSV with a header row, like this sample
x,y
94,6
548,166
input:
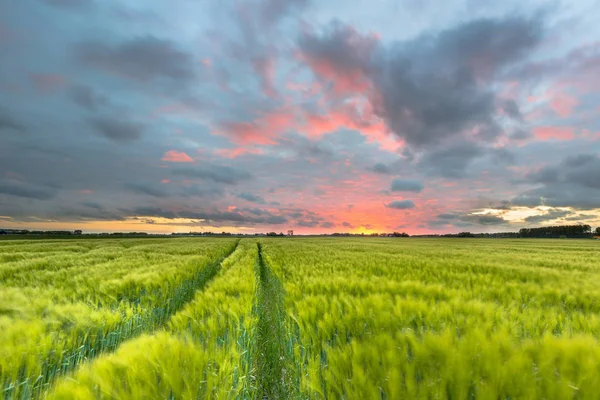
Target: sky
x,y
317,116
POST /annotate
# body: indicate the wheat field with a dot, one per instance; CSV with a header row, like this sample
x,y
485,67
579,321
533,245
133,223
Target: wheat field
x,y
299,318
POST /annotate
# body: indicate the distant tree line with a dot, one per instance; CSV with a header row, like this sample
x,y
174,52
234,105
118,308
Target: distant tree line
x,y
572,231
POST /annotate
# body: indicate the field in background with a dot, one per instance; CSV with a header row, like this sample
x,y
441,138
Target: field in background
x,y
354,318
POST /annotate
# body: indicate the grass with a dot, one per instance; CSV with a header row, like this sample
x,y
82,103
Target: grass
x,y
310,318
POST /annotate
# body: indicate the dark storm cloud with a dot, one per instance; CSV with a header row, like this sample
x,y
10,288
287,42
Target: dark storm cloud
x,y
116,128
573,182
215,173
144,59
252,198
146,189
381,168
452,161
421,102
401,204
86,97
404,185
19,189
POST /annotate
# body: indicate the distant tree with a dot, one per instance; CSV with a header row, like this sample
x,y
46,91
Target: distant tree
x,y
271,234
465,234
598,231
403,234
557,231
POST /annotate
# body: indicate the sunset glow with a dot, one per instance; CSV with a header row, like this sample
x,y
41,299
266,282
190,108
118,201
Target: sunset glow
x,y
319,117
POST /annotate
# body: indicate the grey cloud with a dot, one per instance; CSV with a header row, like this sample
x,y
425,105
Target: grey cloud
x,y
381,168
307,223
19,189
216,173
347,225
147,189
573,182
451,162
8,123
116,129
448,216
462,220
252,198
421,102
273,10
202,191
327,225
86,97
487,219
152,212
144,59
511,108
234,216
92,204
401,204
68,3
403,185
548,216
583,169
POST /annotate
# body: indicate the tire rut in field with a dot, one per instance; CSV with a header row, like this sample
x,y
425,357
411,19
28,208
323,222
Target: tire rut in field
x,y
58,365
272,356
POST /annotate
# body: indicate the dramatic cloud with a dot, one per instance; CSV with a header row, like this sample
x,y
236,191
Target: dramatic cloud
x,y
269,115
402,185
574,182
421,102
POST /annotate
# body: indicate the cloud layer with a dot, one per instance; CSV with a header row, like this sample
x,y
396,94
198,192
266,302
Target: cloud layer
x,y
263,115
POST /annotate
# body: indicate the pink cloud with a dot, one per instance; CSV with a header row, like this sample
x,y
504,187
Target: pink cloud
x,y
165,181
177,157
265,69
563,104
553,133
47,82
260,131
345,77
237,152
353,116
86,191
